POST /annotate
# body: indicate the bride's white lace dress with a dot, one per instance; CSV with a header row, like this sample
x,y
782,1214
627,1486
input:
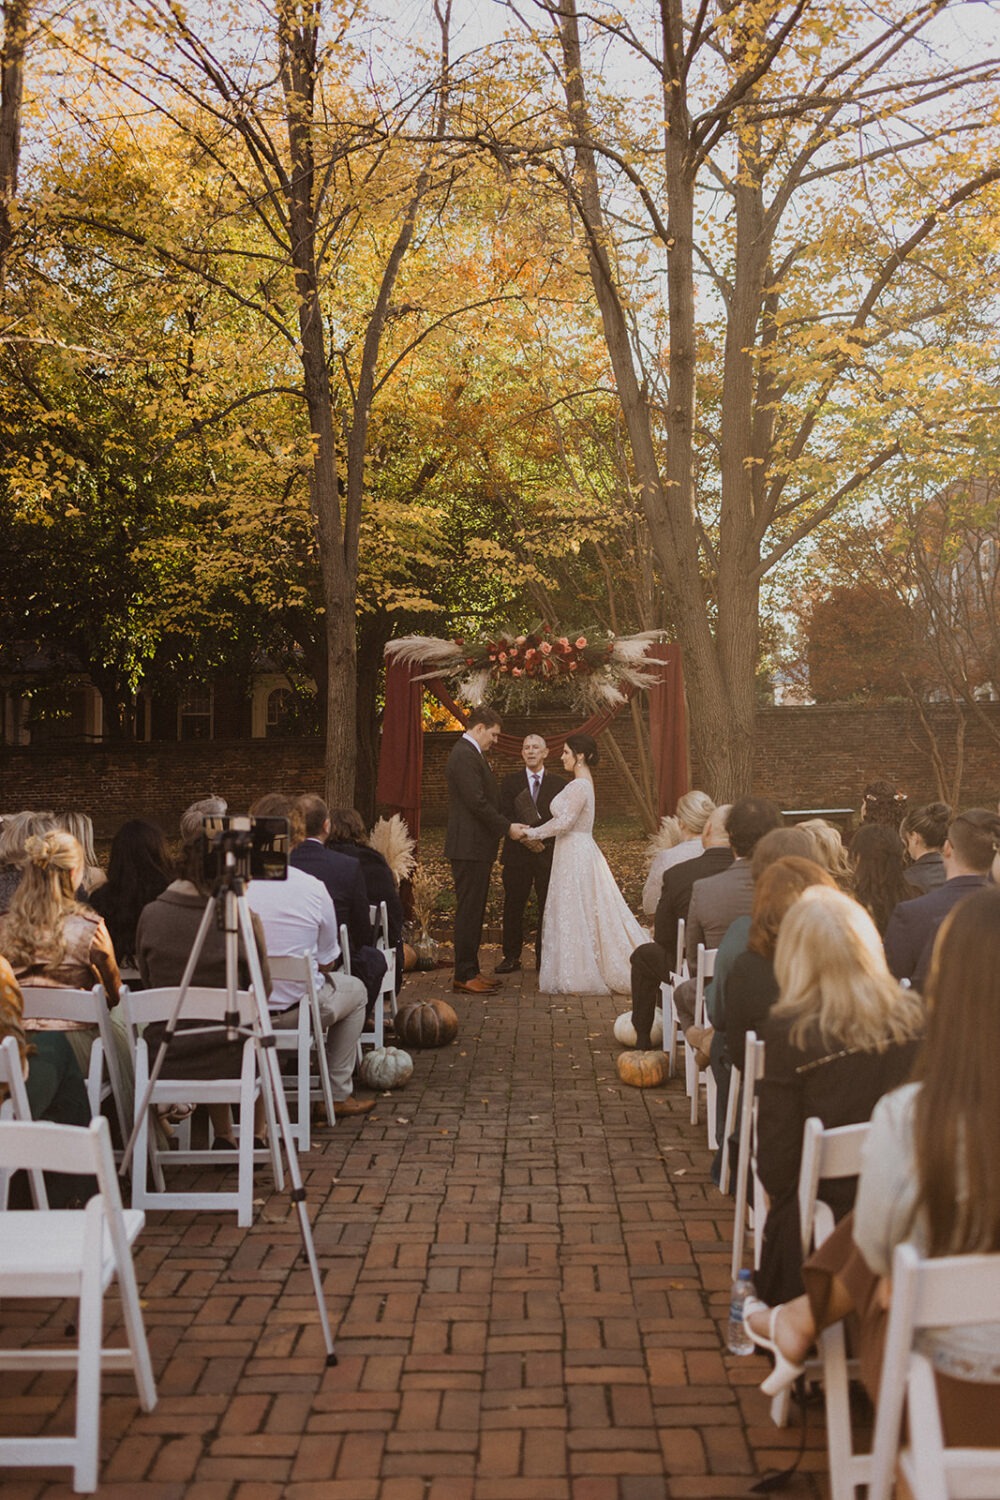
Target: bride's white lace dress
x,y
588,932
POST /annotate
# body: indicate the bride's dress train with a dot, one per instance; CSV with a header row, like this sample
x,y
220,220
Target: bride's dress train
x,y
588,932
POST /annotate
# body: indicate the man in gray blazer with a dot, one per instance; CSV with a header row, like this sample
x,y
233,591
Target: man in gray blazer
x,y
722,898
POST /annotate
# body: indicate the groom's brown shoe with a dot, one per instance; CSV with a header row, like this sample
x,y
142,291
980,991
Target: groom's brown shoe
x,y
477,985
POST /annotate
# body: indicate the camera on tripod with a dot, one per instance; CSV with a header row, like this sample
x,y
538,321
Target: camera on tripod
x,y
243,847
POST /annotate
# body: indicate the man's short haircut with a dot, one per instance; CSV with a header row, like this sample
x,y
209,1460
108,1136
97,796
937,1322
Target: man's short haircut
x,y
484,715
975,836
717,820
781,843
280,805
749,819
314,812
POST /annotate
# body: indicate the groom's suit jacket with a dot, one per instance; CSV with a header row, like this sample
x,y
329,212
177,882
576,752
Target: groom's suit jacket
x,y
475,822
514,852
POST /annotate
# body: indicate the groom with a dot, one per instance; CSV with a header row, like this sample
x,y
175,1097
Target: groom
x,y
475,827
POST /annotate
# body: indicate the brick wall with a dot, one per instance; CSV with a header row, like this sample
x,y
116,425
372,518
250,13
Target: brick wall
x,y
806,757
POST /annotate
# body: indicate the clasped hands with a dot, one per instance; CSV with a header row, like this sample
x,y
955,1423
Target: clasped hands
x,y
521,834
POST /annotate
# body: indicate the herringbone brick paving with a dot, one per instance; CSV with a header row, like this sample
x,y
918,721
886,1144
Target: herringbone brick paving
x,y
527,1270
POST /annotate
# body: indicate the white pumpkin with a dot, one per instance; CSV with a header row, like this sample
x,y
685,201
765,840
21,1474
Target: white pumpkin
x,y
625,1031
386,1068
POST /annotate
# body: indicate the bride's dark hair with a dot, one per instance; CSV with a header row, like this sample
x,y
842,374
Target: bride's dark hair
x,y
582,744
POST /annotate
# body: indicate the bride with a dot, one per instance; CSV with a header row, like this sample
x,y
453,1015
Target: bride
x,y
588,932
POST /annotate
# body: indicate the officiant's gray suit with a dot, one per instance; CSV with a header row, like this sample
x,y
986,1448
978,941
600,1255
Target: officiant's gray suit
x,y
524,871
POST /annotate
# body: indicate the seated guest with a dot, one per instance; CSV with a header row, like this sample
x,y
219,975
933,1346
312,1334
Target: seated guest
x,y
923,833
842,1034
165,935
879,881
55,943
347,836
17,828
55,1089
720,899
81,826
968,855
678,883
751,988
883,803
343,878
139,870
298,916
778,844
685,829
830,851
652,963
929,1176
717,901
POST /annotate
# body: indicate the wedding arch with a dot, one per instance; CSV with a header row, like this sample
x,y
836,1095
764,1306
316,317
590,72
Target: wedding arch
x,y
609,669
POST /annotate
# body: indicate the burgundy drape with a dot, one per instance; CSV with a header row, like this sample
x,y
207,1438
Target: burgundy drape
x,y
401,755
668,733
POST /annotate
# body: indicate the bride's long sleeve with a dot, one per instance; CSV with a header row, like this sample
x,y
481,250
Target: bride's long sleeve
x,y
572,802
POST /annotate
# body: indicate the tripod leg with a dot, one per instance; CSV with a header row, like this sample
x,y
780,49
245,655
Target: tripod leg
x,y
270,1070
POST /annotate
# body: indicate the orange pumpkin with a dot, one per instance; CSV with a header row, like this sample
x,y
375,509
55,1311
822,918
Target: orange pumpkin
x,y
409,958
426,1023
642,1070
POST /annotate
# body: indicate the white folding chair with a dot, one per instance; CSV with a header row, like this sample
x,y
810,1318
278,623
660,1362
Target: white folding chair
x,y
380,921
374,1035
672,1033
828,1154
69,1253
103,1078
948,1292
746,1161
306,1040
692,1073
208,1005
14,1106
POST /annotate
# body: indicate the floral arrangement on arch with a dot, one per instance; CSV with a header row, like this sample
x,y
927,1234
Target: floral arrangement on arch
x,y
593,667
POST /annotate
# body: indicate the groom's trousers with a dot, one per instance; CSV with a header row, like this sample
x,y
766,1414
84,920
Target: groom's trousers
x,y
472,887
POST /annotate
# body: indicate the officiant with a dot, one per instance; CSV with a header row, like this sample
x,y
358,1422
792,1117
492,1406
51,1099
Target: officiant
x,y
526,797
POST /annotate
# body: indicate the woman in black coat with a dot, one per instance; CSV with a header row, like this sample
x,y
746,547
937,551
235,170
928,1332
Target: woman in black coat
x,y
842,1035
348,836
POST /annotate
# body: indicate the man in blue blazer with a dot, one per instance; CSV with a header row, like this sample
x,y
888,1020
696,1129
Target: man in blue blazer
x,y
968,854
345,881
475,828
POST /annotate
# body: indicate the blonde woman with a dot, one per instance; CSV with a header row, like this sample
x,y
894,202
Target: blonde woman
x,y
17,827
81,826
684,830
830,850
53,942
842,1034
930,1175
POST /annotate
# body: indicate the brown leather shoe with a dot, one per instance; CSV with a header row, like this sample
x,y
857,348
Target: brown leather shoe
x,y
352,1106
478,985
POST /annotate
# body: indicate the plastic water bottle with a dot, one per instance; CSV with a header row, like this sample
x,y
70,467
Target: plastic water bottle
x,y
738,1340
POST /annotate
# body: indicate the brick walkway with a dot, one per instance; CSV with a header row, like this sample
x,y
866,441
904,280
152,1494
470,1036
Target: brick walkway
x,y
527,1272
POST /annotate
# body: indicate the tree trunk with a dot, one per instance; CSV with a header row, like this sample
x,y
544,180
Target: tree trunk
x,y
15,34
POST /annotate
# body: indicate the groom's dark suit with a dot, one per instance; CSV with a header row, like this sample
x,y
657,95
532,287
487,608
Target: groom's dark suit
x,y
521,868
475,827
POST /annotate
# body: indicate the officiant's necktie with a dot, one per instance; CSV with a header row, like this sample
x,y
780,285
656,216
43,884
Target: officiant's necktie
x,y
535,779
